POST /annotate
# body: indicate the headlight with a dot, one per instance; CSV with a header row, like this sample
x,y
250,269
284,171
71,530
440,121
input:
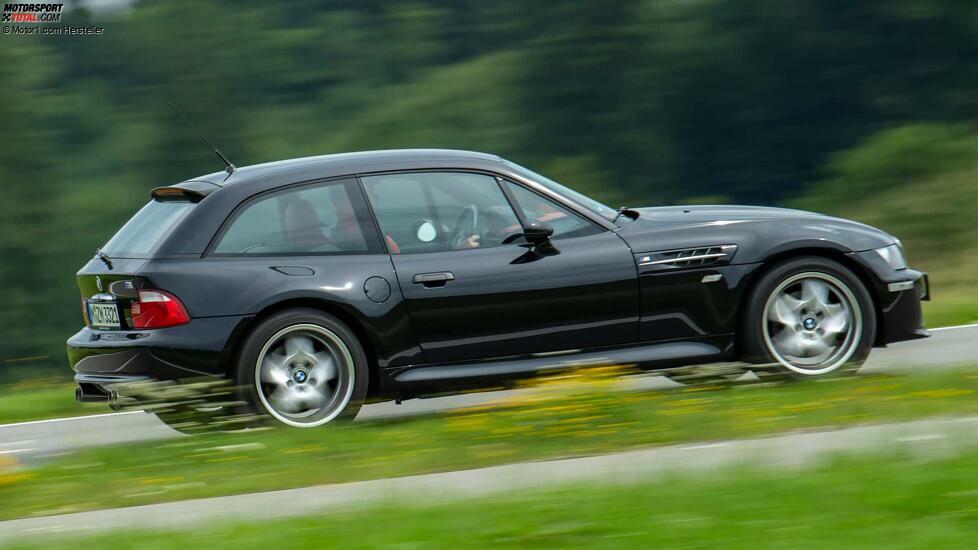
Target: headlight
x,y
893,255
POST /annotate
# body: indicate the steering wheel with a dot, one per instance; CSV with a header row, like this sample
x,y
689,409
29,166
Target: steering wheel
x,y
465,226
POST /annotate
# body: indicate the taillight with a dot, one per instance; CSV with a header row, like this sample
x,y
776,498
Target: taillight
x,y
158,309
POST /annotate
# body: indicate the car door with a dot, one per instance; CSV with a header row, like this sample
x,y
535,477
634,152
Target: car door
x,y
477,289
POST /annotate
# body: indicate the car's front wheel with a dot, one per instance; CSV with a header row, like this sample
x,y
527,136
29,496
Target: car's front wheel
x,y
303,368
808,317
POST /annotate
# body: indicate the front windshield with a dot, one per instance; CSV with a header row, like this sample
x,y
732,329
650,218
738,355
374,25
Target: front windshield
x,y
583,200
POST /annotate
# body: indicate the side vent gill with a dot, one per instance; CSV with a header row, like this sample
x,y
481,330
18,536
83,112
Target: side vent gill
x,y
685,258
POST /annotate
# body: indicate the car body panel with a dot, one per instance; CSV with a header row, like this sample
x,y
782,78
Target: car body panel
x,y
195,349
510,300
508,312
678,304
259,283
759,232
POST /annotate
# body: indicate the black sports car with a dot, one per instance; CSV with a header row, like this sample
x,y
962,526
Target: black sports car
x,y
319,283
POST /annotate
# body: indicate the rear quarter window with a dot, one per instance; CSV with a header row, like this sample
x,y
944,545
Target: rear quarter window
x,y
140,236
319,219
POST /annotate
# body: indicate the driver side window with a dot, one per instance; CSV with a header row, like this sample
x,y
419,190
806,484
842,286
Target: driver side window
x,y
440,211
566,224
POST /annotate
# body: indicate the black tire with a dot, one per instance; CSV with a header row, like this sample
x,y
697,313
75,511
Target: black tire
x,y
759,347
324,326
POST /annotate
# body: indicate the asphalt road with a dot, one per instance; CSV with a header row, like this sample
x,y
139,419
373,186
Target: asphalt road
x,y
32,441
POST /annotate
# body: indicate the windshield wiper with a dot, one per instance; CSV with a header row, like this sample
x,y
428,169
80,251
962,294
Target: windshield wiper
x,y
104,257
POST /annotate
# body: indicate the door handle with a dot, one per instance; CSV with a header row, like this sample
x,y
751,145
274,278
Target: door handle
x,y
433,280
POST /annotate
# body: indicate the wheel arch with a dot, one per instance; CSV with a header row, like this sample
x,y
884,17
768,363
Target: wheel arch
x,y
835,253
244,329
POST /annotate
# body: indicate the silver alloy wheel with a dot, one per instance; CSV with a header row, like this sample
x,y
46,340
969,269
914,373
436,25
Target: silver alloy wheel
x,y
812,323
304,375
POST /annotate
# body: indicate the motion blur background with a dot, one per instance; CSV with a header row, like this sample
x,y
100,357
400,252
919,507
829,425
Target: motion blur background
x,y
862,109
867,109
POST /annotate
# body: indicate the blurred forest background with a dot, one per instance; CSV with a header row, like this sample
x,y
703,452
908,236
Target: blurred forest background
x,y
864,109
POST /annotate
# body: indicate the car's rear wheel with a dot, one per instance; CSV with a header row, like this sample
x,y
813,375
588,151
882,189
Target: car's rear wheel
x,y
303,368
808,317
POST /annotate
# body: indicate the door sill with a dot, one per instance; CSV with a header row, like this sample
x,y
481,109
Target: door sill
x,y
681,352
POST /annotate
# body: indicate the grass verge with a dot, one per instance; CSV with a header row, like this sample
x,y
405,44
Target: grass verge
x,y
42,399
570,416
865,502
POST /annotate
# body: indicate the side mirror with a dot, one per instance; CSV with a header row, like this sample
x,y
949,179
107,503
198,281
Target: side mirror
x,y
536,231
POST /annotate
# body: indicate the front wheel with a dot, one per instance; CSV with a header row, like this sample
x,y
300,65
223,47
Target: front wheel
x,y
303,368
809,317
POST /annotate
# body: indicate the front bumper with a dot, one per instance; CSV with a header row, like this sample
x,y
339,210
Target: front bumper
x,y
899,293
102,358
903,317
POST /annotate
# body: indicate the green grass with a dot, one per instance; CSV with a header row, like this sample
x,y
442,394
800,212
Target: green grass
x,y
38,400
868,502
572,417
957,305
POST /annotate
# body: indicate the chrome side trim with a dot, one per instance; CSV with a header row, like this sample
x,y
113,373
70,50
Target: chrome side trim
x,y
646,260
553,353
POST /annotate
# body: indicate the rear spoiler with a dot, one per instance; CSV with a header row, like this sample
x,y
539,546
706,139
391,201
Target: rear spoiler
x,y
188,191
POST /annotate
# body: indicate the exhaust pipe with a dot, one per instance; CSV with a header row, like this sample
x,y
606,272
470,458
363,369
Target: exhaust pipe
x,y
88,393
93,393
114,401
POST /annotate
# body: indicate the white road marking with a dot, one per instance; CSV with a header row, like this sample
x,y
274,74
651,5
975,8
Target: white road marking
x,y
12,451
16,443
914,438
705,446
42,529
46,421
938,329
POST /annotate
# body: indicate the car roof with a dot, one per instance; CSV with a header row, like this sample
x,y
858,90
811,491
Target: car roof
x,y
351,163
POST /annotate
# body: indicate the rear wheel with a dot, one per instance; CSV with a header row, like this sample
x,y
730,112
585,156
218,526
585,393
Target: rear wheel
x,y
808,317
303,368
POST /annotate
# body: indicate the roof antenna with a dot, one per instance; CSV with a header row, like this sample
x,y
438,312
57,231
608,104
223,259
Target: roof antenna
x,y
230,167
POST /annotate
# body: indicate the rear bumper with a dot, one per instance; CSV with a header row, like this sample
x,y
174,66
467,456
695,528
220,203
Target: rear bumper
x,y
199,348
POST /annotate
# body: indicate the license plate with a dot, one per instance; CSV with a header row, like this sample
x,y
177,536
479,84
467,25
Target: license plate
x,y
103,315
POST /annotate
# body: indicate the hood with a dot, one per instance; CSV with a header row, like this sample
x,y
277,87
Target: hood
x,y
721,213
757,230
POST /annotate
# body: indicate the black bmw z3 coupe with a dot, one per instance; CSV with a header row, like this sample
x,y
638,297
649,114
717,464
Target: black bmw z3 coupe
x,y
318,283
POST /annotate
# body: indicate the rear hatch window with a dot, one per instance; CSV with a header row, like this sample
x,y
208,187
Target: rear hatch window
x,y
146,230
